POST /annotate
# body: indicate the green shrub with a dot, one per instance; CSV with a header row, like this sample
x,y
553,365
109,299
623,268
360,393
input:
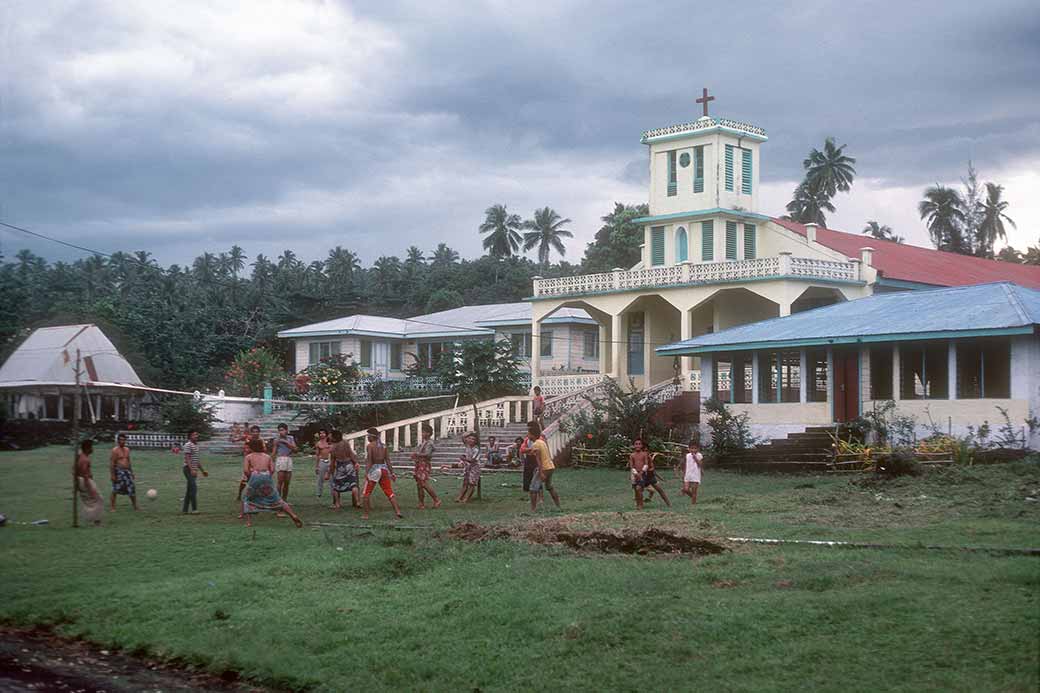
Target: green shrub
x,y
899,462
730,433
182,414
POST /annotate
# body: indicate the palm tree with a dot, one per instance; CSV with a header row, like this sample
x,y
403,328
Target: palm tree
x,y
415,257
829,170
387,270
809,205
503,231
205,266
342,262
881,232
443,255
994,214
236,260
943,210
287,260
546,232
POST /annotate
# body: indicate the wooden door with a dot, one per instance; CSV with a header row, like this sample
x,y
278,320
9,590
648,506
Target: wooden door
x,y
845,392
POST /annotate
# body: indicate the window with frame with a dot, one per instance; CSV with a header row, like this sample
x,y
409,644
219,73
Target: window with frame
x,y
734,378
984,369
816,365
698,169
395,356
881,372
780,376
322,350
924,370
521,344
591,344
366,353
546,343
682,246
673,186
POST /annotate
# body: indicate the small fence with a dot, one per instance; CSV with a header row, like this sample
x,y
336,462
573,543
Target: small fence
x,y
151,439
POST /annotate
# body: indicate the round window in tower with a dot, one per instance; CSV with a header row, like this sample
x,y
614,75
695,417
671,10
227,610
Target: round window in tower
x,y
684,159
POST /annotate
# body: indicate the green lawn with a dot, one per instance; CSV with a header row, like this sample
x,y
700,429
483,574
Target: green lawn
x,y
348,608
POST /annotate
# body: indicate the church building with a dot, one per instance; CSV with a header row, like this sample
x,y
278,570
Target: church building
x,y
712,259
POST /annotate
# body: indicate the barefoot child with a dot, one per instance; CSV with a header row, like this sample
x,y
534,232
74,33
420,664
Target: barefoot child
x,y
538,406
191,468
470,460
644,476
692,471
494,451
261,494
122,473
282,448
542,478
343,472
380,472
423,458
321,460
91,507
254,434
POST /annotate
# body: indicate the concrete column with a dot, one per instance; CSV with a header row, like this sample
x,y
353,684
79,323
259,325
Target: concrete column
x,y
648,349
803,381
536,353
708,376
830,382
785,309
61,406
754,377
604,348
617,334
685,332
951,375
895,372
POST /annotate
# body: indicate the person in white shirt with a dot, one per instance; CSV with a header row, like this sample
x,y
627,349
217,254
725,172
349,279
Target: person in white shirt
x,y
692,471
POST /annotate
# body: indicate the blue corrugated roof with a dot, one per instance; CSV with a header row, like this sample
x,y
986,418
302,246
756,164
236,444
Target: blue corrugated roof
x,y
998,308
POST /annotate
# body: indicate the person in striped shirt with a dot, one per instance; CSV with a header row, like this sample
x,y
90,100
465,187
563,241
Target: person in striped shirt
x,y
192,467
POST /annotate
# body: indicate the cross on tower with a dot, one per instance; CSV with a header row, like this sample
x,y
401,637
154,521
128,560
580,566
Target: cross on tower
x,y
704,100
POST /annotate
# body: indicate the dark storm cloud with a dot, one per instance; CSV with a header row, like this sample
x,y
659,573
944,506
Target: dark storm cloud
x,y
312,124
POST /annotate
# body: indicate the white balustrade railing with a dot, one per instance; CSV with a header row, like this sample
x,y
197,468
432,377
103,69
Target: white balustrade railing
x,y
556,385
687,273
447,423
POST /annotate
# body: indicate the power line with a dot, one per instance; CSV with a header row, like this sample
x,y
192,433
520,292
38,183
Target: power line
x,y
219,282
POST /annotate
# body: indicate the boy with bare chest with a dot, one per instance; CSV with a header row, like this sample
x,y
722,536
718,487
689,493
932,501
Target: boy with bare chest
x,y
122,474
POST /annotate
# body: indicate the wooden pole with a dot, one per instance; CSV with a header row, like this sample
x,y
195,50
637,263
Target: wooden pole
x,y
75,445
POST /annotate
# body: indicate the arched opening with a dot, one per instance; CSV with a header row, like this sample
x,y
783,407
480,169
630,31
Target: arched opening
x,y
816,297
682,252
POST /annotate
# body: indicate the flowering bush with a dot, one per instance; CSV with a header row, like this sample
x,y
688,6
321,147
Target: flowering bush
x,y
333,378
254,368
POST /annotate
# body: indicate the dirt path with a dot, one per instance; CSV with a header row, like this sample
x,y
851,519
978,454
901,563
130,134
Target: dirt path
x,y
34,660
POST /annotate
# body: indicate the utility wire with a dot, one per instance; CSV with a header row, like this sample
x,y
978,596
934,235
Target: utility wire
x,y
219,282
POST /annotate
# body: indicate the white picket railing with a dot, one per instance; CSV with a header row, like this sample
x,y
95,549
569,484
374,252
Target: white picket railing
x,y
556,385
783,265
492,413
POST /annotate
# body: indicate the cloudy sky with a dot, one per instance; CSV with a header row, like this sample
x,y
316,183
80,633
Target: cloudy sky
x,y
189,126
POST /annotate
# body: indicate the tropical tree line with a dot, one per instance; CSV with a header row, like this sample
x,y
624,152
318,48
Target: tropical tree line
x,y
969,222
183,325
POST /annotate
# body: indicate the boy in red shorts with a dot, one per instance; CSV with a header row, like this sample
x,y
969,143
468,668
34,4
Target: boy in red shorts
x,y
379,471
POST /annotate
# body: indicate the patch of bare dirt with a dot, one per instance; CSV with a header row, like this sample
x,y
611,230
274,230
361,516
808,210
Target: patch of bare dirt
x,y
650,541
37,660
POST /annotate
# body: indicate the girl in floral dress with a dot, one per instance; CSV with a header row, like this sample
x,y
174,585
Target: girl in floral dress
x,y
423,458
261,494
470,460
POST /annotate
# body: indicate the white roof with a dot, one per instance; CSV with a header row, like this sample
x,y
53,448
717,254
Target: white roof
x,y
48,357
467,320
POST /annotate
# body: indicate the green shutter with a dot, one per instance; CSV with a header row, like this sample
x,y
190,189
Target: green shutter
x,y
745,171
657,245
672,185
731,240
749,241
729,167
707,241
698,169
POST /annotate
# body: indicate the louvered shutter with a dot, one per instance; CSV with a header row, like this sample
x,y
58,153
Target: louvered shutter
x,y
707,241
745,171
673,187
749,241
731,240
729,167
657,245
698,169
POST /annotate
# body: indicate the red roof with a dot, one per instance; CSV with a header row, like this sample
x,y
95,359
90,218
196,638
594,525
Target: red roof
x,y
923,265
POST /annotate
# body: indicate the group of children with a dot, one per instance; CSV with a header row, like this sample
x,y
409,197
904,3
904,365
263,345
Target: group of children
x,y
267,470
643,471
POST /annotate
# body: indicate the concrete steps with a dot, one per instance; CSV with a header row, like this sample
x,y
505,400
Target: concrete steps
x,y
807,451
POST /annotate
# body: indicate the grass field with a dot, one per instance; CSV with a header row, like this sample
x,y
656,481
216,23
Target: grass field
x,y
340,608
